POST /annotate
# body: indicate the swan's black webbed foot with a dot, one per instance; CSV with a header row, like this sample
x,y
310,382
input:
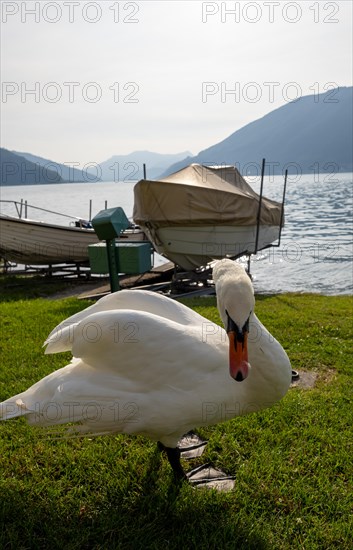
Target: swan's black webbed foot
x,y
209,477
192,446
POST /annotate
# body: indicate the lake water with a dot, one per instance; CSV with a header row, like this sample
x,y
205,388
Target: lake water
x,y
316,250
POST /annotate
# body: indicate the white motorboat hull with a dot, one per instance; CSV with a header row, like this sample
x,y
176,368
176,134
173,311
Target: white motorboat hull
x,y
31,242
192,247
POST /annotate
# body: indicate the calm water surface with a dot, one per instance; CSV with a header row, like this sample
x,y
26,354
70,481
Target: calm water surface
x,y
316,251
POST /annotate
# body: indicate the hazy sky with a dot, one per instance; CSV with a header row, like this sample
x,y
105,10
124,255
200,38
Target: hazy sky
x,y
82,81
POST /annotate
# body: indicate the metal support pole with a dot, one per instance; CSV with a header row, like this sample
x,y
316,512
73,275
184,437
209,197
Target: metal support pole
x,y
249,263
260,205
282,210
113,267
144,171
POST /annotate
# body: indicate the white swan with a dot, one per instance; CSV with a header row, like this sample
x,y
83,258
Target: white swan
x,y
145,364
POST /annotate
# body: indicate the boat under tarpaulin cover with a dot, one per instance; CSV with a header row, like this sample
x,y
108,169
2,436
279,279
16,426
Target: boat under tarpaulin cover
x,y
203,213
202,195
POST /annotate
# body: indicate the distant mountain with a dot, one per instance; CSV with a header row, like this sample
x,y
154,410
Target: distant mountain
x,y
130,167
66,172
17,170
117,168
311,134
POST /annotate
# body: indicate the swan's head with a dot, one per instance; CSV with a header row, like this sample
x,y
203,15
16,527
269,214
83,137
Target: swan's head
x,y
236,302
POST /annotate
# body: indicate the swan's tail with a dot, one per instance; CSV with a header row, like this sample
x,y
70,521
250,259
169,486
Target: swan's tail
x,y
16,407
13,407
38,402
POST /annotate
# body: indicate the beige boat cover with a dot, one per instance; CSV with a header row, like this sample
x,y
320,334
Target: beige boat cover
x,y
201,195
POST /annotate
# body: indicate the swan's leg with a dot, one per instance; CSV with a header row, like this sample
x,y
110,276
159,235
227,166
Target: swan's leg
x,y
202,476
173,455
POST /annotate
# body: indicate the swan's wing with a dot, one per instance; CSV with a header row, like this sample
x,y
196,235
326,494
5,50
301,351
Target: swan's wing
x,y
143,347
123,358
137,300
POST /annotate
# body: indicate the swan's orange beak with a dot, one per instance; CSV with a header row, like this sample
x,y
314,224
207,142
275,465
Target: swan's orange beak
x,y
238,355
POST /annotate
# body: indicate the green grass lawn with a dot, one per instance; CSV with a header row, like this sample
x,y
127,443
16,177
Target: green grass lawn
x,y
293,463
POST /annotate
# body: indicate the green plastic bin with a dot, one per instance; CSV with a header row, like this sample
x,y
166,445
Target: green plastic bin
x,y
131,258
